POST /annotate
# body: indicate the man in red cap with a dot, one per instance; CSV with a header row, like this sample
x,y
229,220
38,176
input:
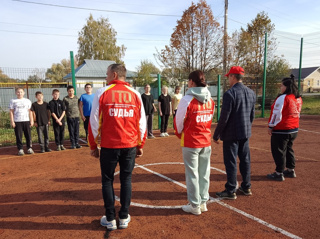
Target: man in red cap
x,y
234,129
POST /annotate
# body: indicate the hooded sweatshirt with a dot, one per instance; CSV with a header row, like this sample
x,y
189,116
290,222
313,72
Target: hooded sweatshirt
x,y
192,123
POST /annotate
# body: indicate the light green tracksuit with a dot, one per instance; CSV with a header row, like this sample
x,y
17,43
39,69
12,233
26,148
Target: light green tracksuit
x,y
197,160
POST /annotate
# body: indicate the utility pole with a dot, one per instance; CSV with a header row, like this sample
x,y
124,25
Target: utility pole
x,y
225,44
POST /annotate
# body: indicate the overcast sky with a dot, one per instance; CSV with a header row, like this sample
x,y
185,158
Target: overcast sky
x,y
36,34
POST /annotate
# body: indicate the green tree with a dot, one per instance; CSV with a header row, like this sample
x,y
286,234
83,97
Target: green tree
x,y
4,78
173,76
59,70
277,69
97,41
195,43
250,43
247,49
146,70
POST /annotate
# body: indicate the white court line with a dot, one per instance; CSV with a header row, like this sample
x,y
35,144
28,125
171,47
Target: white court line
x,y
211,199
288,234
83,141
284,232
309,131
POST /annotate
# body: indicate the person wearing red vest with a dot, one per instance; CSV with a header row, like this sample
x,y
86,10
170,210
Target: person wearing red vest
x,y
283,128
192,124
118,117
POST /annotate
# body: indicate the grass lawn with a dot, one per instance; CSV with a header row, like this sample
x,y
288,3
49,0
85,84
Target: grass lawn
x,y
311,105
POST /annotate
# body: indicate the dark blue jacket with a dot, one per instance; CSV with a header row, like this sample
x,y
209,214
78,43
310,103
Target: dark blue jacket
x,y
237,114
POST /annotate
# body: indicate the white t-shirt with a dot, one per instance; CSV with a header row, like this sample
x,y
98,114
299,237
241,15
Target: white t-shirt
x,y
20,109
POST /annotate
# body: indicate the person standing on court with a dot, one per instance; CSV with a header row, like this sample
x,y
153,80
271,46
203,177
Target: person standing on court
x,y
149,107
193,126
85,104
21,120
58,111
71,102
283,128
165,110
234,129
176,99
118,116
41,116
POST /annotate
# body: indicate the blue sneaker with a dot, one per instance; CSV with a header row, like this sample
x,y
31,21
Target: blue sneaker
x,y
112,225
123,223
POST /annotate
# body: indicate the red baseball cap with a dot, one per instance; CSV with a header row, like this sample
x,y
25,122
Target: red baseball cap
x,y
236,70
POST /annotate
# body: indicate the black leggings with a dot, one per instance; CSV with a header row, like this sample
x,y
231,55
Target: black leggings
x,y
282,151
164,123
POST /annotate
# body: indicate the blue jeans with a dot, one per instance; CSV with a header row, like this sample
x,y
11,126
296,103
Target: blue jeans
x,y
232,149
109,159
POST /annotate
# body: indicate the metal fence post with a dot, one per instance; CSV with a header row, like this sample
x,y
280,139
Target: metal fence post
x,y
300,63
264,74
218,97
73,73
159,93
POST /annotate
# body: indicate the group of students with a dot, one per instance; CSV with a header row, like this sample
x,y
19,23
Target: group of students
x,y
24,115
167,106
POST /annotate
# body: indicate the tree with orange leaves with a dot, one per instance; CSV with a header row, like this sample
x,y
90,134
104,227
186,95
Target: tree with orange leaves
x,y
196,42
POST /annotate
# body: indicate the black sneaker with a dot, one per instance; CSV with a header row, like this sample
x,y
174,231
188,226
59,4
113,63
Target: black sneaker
x,y
72,147
42,150
78,146
275,176
47,150
289,174
246,192
226,195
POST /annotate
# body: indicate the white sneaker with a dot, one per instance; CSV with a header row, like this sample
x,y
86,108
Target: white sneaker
x,y
203,207
190,209
123,223
30,151
20,153
162,135
112,225
166,134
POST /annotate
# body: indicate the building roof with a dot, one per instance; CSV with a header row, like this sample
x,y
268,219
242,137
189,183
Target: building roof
x,y
95,69
305,72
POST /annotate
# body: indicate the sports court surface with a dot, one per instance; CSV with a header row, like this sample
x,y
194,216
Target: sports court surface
x,y
58,194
